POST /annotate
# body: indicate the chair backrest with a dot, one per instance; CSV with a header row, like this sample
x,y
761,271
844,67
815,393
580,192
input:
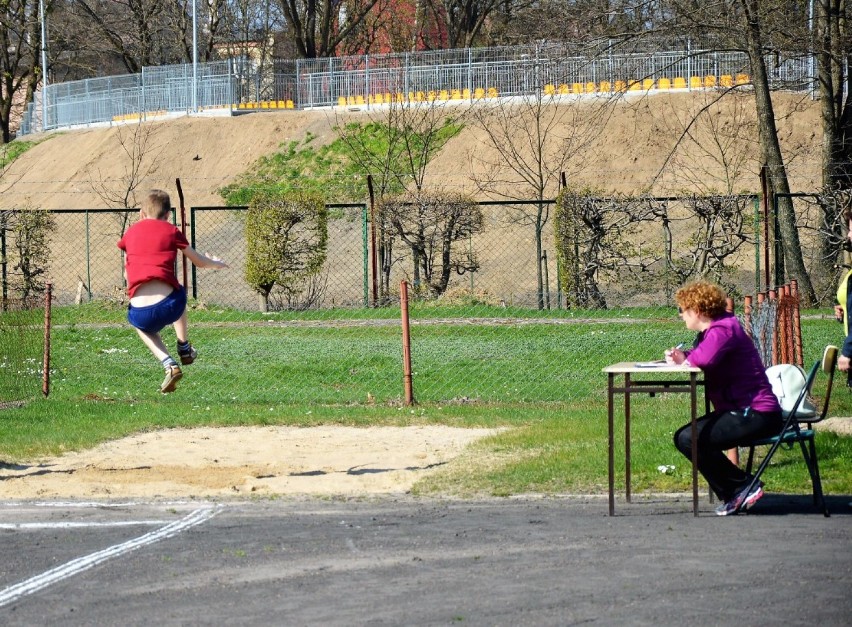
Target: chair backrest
x,y
788,382
791,418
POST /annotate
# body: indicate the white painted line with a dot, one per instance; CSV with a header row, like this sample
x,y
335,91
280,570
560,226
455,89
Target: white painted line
x,y
67,504
79,525
75,566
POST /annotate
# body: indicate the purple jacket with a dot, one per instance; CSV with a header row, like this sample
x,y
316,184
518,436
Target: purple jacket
x,y
734,377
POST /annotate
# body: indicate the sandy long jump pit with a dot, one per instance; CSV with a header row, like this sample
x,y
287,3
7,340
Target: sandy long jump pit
x,y
243,461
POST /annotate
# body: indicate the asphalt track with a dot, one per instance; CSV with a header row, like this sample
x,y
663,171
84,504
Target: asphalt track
x,y
406,561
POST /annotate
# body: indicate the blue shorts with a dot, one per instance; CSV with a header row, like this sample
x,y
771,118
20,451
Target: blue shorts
x,y
153,318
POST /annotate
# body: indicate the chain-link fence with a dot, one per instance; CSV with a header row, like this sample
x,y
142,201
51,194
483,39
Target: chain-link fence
x,y
506,328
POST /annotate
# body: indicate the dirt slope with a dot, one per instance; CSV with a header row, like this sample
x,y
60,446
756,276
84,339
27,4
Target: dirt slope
x,y
623,150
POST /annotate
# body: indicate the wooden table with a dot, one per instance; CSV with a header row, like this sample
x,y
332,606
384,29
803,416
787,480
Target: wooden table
x,y
687,383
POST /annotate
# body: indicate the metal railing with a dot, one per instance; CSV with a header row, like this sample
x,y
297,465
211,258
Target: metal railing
x,y
241,83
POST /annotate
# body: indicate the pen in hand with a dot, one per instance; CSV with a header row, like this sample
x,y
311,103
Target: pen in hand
x,y
668,354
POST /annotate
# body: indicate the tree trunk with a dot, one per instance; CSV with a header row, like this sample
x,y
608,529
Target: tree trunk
x,y
836,121
777,174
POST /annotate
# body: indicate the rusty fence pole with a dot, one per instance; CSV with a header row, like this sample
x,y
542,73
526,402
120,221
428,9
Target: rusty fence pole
x,y
797,324
45,379
373,253
772,300
183,230
406,344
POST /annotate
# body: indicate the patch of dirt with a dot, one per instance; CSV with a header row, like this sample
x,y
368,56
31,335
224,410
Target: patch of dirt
x,y
244,461
840,425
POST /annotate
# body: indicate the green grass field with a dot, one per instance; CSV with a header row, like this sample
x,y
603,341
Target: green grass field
x,y
539,375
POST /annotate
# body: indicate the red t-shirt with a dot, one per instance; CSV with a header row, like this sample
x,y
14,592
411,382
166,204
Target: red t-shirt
x,y
151,247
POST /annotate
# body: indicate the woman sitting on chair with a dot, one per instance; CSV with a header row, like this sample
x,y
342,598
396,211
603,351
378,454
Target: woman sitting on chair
x,y
744,406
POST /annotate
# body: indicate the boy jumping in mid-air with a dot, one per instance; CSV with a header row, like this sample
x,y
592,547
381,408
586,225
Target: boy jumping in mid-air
x,y
156,297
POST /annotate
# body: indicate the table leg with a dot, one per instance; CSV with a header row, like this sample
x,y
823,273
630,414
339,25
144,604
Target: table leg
x,y
611,467
627,437
693,389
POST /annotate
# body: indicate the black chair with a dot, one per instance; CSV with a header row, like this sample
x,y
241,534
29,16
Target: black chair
x,y
794,431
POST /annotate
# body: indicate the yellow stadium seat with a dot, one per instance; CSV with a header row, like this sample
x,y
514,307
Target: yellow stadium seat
x,y
743,79
290,104
350,100
466,93
648,83
605,87
726,80
695,82
634,85
549,89
479,93
620,86
443,95
379,99
679,82
272,104
388,98
577,88
419,97
563,89
359,99
664,83
591,87
709,81
492,92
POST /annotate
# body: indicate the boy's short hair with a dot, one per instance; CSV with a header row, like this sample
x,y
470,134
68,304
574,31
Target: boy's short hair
x,y
702,297
156,204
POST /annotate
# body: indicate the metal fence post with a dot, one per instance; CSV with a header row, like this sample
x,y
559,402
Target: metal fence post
x,y
408,384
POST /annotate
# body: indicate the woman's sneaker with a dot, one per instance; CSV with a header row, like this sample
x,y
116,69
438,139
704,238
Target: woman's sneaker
x,y
187,355
741,500
173,375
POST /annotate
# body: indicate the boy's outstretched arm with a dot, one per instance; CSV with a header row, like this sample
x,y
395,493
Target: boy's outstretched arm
x,y
203,261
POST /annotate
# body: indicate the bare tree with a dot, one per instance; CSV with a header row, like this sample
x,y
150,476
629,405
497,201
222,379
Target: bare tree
x,y
461,20
20,68
318,27
139,152
432,224
831,45
137,32
520,21
535,139
718,227
715,142
749,26
597,241
395,148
